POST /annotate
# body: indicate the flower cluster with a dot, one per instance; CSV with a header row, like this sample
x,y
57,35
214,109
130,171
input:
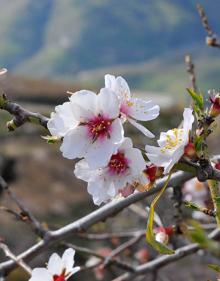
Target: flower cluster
x,y
91,128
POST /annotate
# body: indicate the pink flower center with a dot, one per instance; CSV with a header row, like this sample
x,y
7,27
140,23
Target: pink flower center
x,y
99,127
118,164
59,278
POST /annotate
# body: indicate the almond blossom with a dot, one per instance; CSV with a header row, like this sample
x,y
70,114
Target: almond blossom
x,y
123,168
171,144
131,108
90,126
58,269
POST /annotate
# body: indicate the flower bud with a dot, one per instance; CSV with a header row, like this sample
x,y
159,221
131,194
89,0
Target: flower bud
x,y
217,166
162,237
153,172
210,41
214,110
162,234
190,150
142,255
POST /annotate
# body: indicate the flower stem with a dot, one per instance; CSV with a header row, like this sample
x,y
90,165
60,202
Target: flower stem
x,y
215,194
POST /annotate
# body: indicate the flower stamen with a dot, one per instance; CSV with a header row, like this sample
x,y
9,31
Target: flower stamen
x,y
118,164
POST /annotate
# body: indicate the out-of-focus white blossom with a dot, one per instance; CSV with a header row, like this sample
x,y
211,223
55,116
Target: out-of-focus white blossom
x,y
124,168
131,108
58,268
171,144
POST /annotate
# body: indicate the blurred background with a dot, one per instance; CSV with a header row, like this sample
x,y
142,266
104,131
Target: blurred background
x,y
51,46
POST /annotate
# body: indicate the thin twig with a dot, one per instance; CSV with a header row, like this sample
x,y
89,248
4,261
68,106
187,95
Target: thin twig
x,y
21,115
18,261
106,236
191,70
27,216
211,39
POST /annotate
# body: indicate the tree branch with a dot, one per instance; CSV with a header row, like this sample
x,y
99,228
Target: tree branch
x,y
211,39
21,115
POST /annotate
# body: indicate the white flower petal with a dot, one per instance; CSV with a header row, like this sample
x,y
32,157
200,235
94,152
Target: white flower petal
x,y
141,128
122,89
136,161
158,160
55,265
109,81
73,271
61,120
111,190
143,110
126,144
188,119
99,153
68,259
108,103
83,171
84,105
98,192
117,131
41,274
75,143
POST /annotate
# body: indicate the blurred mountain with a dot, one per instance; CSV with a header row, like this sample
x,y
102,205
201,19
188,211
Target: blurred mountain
x,y
53,38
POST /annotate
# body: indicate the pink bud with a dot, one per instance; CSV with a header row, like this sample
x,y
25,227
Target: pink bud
x,y
162,237
153,172
190,150
142,255
214,110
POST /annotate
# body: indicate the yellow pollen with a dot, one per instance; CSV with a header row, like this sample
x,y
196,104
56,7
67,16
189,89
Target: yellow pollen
x,y
173,142
129,103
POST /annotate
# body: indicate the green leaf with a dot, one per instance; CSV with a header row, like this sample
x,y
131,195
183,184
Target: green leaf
x,y
214,267
150,237
197,98
198,235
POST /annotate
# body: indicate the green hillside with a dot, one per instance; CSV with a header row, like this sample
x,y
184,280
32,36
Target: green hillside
x,y
56,38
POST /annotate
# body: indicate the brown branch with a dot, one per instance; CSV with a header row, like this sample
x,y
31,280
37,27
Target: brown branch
x,y
164,260
21,115
191,70
84,223
27,217
211,39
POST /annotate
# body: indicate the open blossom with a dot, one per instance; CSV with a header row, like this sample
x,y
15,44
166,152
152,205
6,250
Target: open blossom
x,y
171,144
58,269
124,167
90,126
131,108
